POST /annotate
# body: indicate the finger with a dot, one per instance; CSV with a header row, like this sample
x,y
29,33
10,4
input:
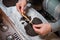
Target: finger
x,y
22,9
18,7
38,30
38,25
35,28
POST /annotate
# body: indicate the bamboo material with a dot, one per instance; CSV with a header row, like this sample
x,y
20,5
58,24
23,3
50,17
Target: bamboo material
x,y
27,18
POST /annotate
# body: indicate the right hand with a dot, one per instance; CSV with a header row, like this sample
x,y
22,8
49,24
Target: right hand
x,y
42,29
20,5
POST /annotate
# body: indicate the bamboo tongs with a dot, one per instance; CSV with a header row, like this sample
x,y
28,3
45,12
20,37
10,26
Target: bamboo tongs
x,y
26,18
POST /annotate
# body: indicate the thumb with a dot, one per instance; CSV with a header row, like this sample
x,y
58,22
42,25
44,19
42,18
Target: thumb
x,y
37,28
38,25
22,9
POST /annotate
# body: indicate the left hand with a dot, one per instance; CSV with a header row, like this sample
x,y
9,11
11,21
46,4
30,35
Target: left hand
x,y
42,29
20,5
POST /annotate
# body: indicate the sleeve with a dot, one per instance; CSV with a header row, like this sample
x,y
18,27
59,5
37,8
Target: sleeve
x,y
55,26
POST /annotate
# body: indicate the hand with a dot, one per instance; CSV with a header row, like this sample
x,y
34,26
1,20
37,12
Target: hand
x,y
42,29
20,5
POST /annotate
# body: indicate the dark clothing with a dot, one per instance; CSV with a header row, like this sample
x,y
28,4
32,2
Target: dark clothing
x,y
9,3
